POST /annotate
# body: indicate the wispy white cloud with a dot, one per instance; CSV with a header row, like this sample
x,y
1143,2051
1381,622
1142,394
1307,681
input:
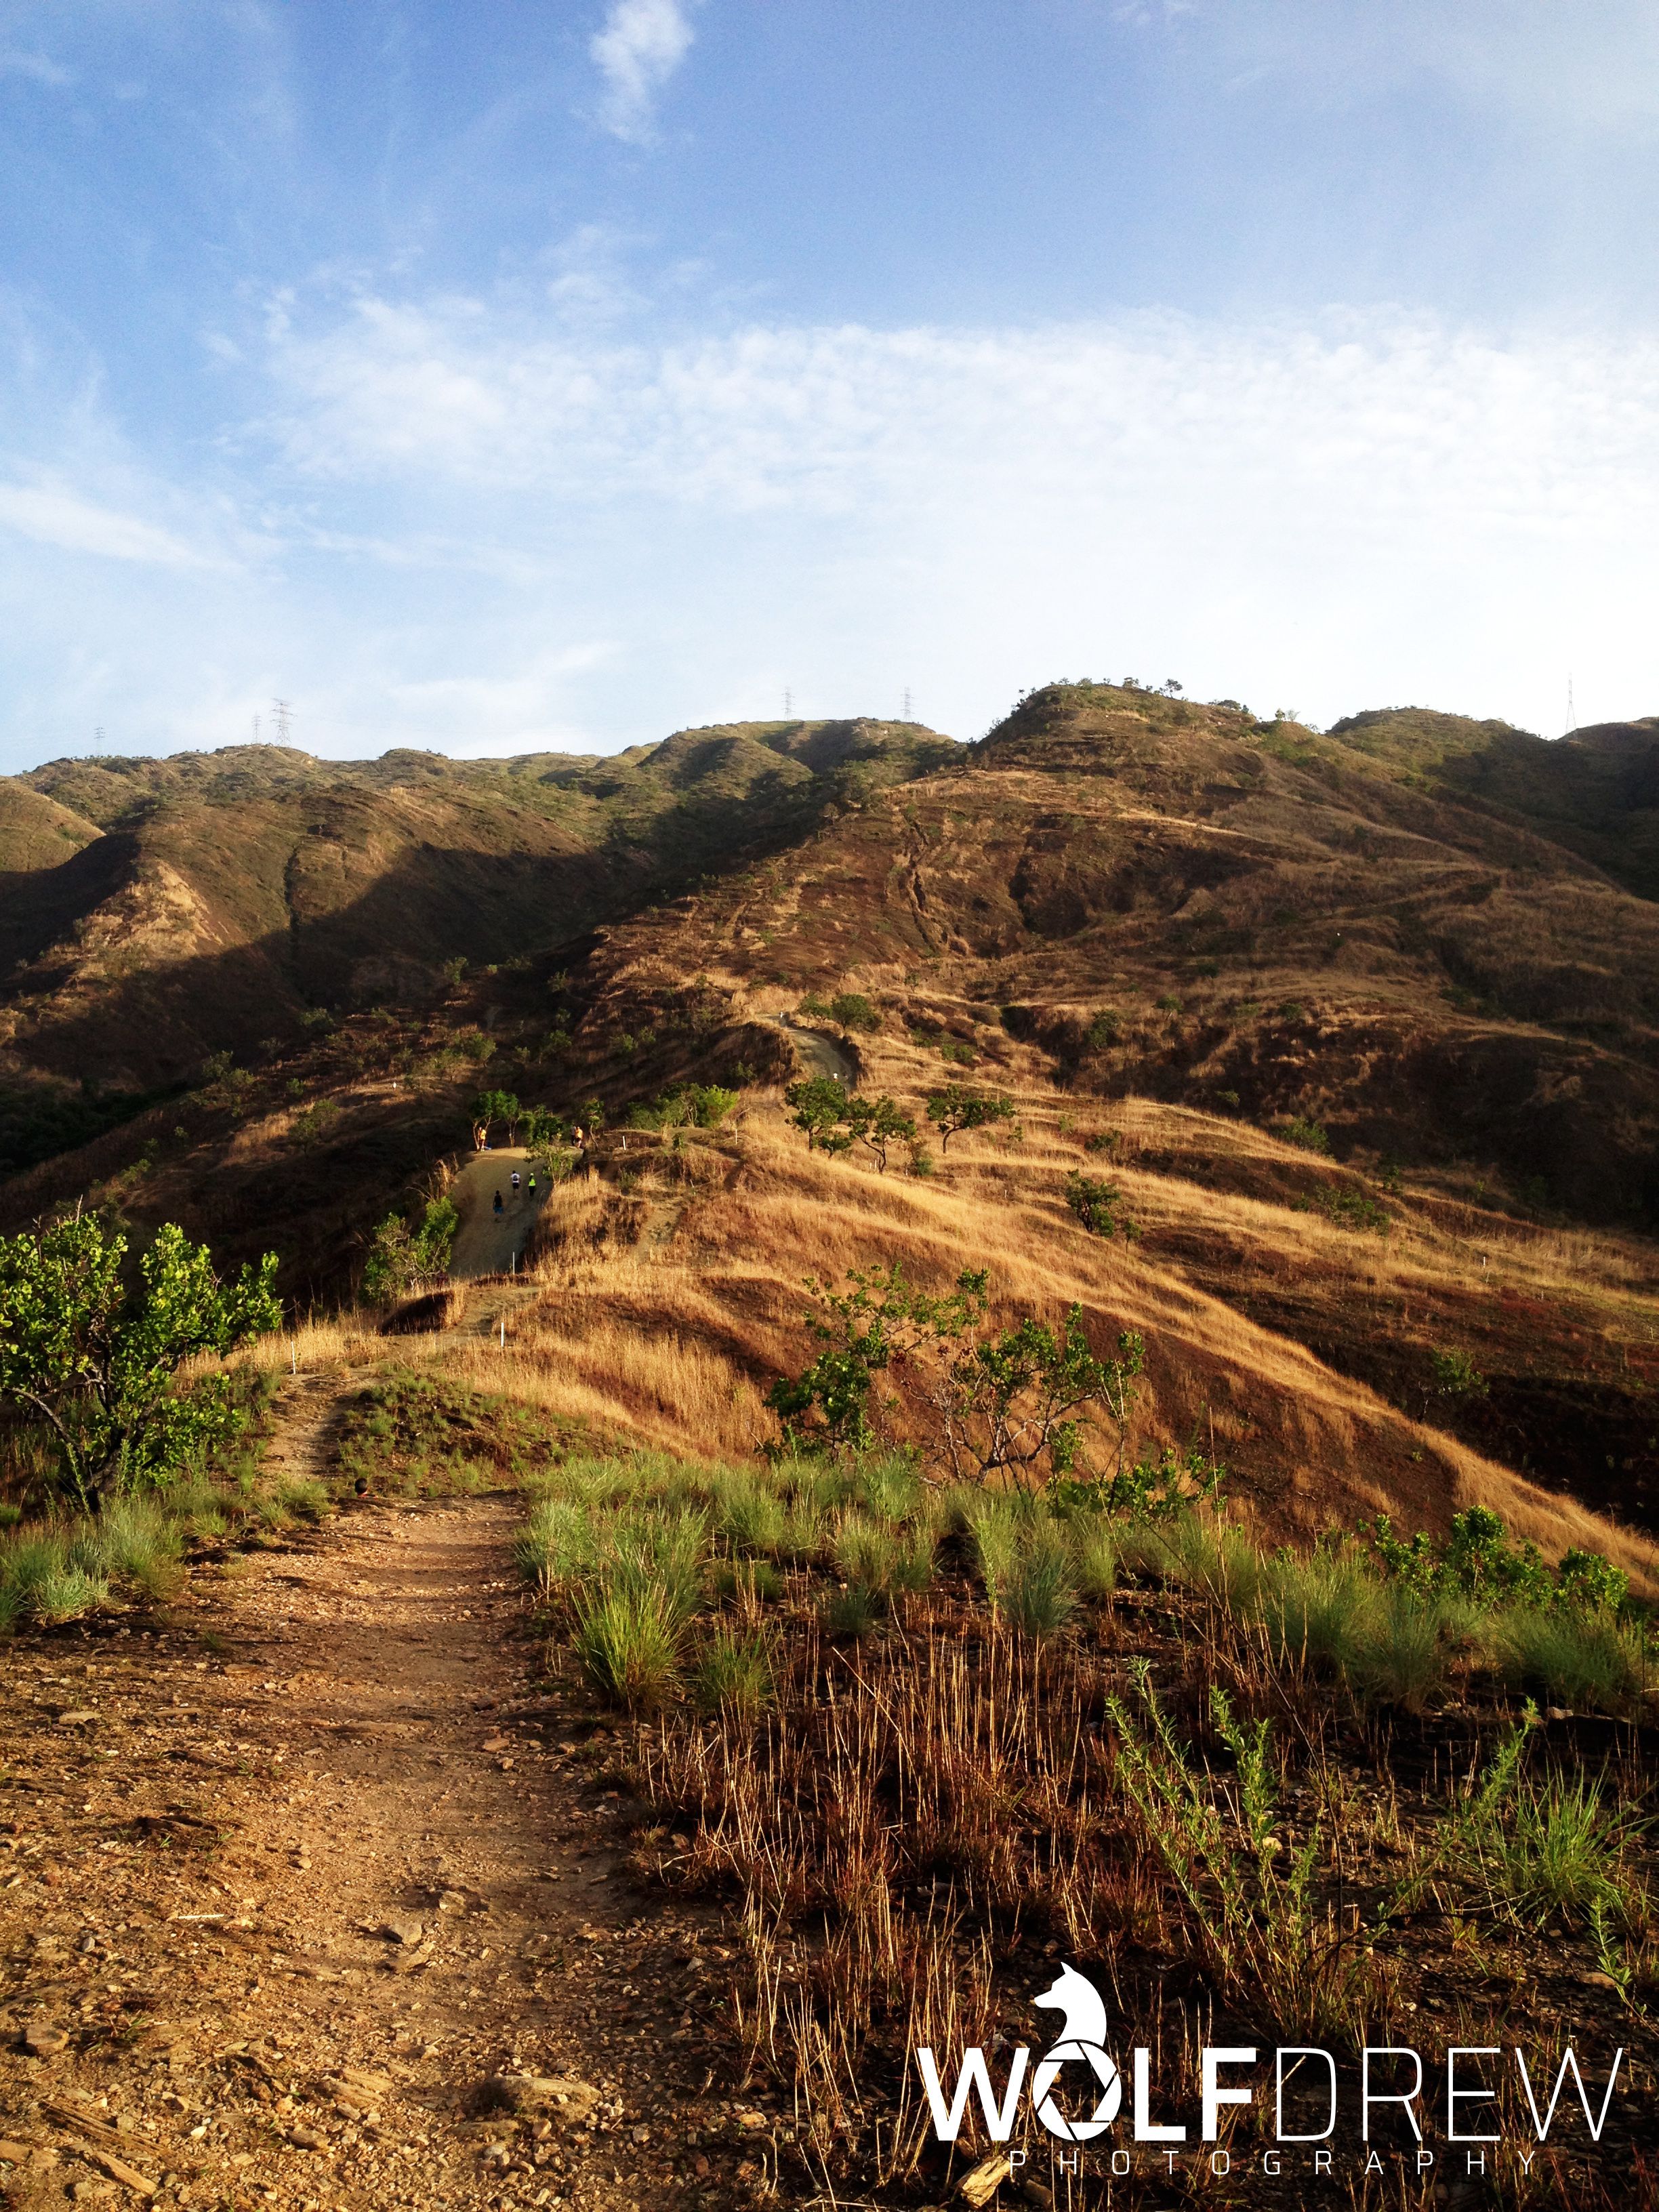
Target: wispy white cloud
x,y
40,67
1366,505
1594,66
636,49
53,516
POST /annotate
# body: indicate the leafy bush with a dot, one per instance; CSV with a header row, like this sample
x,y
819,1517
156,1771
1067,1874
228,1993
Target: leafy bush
x,y
1151,1490
1352,1209
97,1362
1095,1202
1456,1376
854,1012
400,1259
1309,1135
1009,1402
1476,1560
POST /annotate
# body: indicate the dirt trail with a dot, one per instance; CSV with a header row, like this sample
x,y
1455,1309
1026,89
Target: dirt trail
x,y
301,1871
820,1055
487,1243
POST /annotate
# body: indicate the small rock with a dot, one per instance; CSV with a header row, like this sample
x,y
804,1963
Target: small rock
x,y
41,2039
307,2139
1597,1981
496,1742
12,2154
1557,1713
76,1720
982,2184
452,1900
641,2134
401,1931
750,2121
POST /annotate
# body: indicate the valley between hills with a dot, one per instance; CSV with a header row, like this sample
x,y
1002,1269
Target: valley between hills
x,y
1320,1079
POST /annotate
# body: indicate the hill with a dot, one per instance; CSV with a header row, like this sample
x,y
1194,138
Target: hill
x,y
1370,1065
154,913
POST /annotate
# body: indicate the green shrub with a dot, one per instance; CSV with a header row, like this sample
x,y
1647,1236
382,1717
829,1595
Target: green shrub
x,y
733,1673
853,1613
627,1643
1309,1135
1559,1850
1352,1209
1575,1660
1456,1376
854,1011
1095,1202
1039,1594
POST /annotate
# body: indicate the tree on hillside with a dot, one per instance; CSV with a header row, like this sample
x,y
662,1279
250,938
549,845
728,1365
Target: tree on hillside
x,y
818,1105
400,1258
981,1401
878,1123
97,1361
491,1107
956,1107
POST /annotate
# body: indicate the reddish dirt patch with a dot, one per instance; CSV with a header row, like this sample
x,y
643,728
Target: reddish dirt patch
x,y
277,1916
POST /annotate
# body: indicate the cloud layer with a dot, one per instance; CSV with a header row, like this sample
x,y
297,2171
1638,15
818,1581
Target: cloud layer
x,y
460,522
637,49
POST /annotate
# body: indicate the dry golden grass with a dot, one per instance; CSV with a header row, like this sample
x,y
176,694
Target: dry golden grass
x,y
672,1340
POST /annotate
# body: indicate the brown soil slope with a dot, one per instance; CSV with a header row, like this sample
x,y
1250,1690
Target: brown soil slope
x,y
1179,902
231,892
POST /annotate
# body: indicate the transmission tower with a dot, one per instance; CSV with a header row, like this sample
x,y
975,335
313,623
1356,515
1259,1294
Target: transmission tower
x,y
907,716
98,738
1568,728
789,706
282,715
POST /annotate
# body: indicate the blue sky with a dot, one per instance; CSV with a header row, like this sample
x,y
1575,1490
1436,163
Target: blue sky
x,y
523,375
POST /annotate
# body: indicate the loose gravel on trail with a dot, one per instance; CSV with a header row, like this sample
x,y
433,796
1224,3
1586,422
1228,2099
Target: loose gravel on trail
x,y
310,1896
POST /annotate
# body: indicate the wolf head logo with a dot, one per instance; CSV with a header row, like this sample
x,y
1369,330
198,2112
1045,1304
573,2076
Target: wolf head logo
x,y
1083,2036
1081,2006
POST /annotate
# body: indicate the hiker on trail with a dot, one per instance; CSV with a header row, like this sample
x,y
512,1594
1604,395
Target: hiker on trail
x,y
515,1182
498,1201
577,1138
533,1182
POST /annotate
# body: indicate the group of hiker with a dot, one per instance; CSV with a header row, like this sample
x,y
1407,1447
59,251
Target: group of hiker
x,y
528,1184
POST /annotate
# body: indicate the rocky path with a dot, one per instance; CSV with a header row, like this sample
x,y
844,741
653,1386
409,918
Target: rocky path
x,y
318,1897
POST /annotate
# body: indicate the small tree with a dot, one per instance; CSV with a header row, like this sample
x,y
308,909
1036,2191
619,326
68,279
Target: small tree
x,y
956,1107
877,1124
400,1258
491,1107
987,1402
1095,1201
819,1105
97,1361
